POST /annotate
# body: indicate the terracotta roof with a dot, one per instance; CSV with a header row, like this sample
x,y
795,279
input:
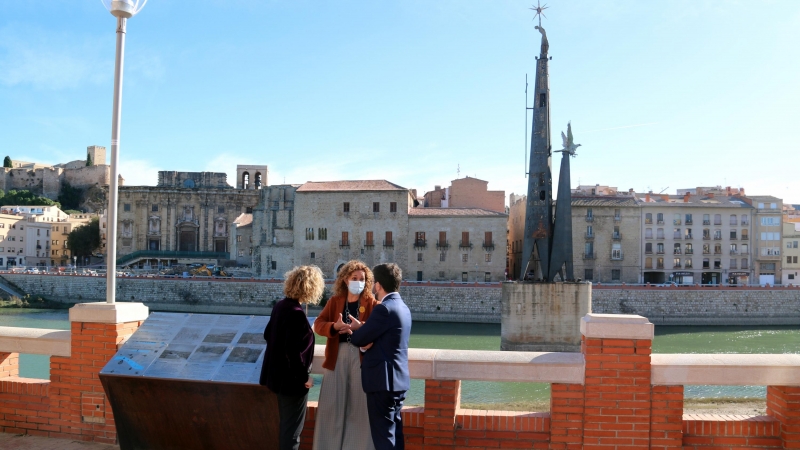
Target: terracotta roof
x,y
453,212
244,220
350,185
597,200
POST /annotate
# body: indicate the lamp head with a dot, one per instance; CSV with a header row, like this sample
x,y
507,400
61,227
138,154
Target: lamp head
x,y
124,8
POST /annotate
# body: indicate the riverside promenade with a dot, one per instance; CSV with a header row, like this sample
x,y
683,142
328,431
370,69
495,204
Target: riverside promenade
x,y
613,394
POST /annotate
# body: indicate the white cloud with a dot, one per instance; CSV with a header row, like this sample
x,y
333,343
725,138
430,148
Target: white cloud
x,y
138,172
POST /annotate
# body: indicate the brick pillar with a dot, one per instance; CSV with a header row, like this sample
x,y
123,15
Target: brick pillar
x,y
617,402
566,416
783,403
666,418
9,365
442,401
98,330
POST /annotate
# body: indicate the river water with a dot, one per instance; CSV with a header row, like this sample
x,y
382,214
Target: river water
x,y
668,339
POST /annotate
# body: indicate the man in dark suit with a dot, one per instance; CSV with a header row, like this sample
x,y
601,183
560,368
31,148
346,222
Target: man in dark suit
x,y
384,370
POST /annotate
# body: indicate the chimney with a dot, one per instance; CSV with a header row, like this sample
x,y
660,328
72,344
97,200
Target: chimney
x,y
647,197
728,191
665,197
741,192
710,195
437,188
686,197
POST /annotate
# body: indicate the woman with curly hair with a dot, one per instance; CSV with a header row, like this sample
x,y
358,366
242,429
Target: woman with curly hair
x,y
342,421
290,350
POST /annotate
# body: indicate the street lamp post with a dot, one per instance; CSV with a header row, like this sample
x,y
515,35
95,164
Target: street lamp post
x,y
122,10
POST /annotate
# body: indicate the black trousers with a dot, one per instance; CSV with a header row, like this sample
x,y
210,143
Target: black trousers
x,y
292,412
385,421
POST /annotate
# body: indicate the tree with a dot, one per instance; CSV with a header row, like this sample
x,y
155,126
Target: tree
x,y
7,162
84,240
89,159
26,198
70,197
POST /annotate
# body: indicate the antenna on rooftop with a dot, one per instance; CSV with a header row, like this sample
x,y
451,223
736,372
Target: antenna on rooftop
x,y
458,171
662,191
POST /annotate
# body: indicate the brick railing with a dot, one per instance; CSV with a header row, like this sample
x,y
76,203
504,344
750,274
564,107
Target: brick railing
x,y
613,394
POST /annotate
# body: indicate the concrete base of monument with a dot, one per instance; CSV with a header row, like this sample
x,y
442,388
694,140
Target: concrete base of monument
x,y
543,317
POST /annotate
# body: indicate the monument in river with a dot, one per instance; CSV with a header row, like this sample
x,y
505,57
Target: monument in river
x,y
543,311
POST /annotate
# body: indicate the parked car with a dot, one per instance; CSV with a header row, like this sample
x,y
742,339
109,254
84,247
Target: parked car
x,y
31,270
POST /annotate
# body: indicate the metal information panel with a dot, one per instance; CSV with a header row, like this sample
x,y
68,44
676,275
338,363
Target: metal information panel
x,y
201,347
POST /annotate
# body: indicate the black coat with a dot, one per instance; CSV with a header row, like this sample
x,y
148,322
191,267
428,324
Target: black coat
x,y
290,349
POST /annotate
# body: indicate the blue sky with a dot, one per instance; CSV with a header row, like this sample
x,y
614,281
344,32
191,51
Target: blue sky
x,y
660,94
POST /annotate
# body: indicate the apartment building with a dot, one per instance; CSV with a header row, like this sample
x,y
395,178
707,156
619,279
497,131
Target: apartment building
x,y
768,225
791,253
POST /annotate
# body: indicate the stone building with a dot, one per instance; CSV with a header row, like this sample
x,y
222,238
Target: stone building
x,y
376,221
606,237
456,244
47,180
187,212
466,192
241,243
791,253
516,235
767,228
696,237
251,177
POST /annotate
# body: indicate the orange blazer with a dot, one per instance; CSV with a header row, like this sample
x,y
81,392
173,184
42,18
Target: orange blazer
x,y
323,325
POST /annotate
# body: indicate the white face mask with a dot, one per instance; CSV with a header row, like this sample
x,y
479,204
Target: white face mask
x,y
355,287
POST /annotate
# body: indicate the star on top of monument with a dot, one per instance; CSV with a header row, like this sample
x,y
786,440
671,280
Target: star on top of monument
x,y
539,8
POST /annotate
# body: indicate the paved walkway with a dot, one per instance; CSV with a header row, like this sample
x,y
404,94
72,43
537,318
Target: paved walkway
x,y
10,441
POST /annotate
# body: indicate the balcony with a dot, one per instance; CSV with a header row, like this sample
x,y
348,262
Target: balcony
x,y
733,223
677,236
648,252
616,256
660,222
388,244
689,251
717,252
706,237
648,237
688,266
718,223
676,222
465,244
677,251
769,257
369,244
420,243
442,245
689,237
488,246
689,222
745,237
676,266
733,264
590,218
616,236
588,255
660,251
344,244
660,266
706,222
589,235
734,252
648,221
717,238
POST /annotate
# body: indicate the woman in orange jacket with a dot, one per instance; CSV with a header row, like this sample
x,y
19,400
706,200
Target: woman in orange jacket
x,y
342,421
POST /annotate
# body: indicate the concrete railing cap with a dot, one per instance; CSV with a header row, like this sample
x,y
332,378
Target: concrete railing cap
x,y
616,326
102,312
37,341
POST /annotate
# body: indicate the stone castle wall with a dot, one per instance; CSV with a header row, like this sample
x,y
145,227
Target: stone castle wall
x,y
471,303
47,181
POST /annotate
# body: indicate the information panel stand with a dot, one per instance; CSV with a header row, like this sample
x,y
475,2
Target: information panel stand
x,y
190,381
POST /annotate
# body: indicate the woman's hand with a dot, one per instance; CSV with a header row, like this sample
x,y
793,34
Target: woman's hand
x,y
309,383
355,323
340,326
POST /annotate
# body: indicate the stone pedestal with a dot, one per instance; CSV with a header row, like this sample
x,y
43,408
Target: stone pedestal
x,y
544,317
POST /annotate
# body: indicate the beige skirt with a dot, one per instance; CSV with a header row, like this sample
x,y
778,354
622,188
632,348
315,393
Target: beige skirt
x,y
342,421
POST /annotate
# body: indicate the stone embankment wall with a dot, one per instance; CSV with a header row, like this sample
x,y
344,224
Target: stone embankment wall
x,y
478,303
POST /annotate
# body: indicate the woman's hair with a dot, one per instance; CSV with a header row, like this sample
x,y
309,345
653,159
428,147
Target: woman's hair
x,y
340,286
304,284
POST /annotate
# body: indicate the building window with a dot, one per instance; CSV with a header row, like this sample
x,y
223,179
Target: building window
x,y
688,234
676,249
239,238
615,274
241,252
419,256
689,249
313,255
660,218
745,219
489,257
345,239
465,240
688,219
588,274
274,265
705,263
376,207
660,233
419,239
220,209
346,207
487,277
309,234
648,263
463,277
442,256
588,250
648,248
648,233
370,239
616,251
388,240
465,257
589,214
392,206
717,219
660,248
648,218
688,264
126,207
441,274
733,234
589,231
322,234
154,208
676,219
